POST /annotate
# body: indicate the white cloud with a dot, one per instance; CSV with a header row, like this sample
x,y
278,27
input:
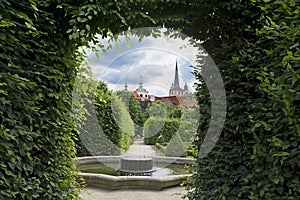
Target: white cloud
x,y
152,58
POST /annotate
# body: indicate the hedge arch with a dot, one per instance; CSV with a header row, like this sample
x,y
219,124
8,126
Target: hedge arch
x,y
254,43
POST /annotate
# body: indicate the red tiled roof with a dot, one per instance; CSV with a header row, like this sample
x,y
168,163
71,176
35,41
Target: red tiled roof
x,y
176,89
176,101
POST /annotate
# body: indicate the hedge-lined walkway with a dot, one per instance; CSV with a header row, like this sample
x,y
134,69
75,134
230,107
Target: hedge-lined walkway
x,y
136,149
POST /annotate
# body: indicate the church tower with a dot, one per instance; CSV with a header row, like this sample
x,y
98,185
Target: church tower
x,y
142,95
175,89
126,85
141,92
176,79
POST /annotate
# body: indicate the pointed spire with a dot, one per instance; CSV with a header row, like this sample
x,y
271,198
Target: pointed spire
x,y
126,85
186,87
176,79
141,81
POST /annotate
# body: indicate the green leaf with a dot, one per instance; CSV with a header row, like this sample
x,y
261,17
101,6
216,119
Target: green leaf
x,y
24,16
281,154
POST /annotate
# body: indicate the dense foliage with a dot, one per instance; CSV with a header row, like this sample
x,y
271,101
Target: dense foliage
x,y
36,128
256,47
134,109
107,128
172,129
39,59
156,129
254,43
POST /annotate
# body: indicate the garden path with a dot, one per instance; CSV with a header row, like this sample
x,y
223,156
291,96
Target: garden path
x,y
138,148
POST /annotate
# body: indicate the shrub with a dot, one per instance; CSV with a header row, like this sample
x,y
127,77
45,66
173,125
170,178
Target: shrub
x,y
154,128
176,147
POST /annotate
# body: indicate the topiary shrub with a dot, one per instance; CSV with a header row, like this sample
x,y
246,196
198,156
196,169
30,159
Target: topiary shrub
x,y
152,128
176,147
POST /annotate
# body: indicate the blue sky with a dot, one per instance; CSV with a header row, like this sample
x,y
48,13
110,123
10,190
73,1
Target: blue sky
x,y
153,58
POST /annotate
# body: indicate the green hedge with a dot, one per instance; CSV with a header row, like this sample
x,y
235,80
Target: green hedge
x,y
134,109
189,124
107,128
39,60
36,126
156,127
124,122
255,45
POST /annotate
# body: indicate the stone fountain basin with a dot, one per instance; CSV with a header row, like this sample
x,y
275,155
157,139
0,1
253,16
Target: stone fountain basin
x,y
132,182
136,165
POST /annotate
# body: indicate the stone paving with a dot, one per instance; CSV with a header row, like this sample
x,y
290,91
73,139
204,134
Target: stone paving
x,y
173,193
136,149
139,149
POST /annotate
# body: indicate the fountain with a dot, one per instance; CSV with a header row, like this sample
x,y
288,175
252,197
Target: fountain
x,y
149,181
139,168
136,166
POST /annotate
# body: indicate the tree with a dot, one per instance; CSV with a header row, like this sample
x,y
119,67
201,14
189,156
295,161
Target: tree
x,y
176,112
157,109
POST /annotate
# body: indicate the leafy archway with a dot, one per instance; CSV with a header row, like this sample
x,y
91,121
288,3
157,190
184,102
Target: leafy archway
x,y
254,43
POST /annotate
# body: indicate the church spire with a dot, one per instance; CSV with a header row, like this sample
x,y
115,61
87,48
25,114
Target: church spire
x,y
126,85
176,79
141,81
185,87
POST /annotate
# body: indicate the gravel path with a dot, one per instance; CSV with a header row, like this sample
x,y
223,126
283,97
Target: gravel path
x,y
139,149
173,193
136,149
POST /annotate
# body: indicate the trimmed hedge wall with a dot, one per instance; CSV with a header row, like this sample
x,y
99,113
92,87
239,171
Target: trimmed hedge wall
x,y
39,59
156,127
107,128
36,125
255,45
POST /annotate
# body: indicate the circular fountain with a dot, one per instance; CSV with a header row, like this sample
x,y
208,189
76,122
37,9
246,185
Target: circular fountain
x,y
136,166
142,166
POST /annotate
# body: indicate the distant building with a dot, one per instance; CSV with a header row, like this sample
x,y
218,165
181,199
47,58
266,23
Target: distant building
x,y
142,95
178,101
175,89
177,95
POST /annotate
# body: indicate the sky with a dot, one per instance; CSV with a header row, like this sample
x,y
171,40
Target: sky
x,y
152,59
